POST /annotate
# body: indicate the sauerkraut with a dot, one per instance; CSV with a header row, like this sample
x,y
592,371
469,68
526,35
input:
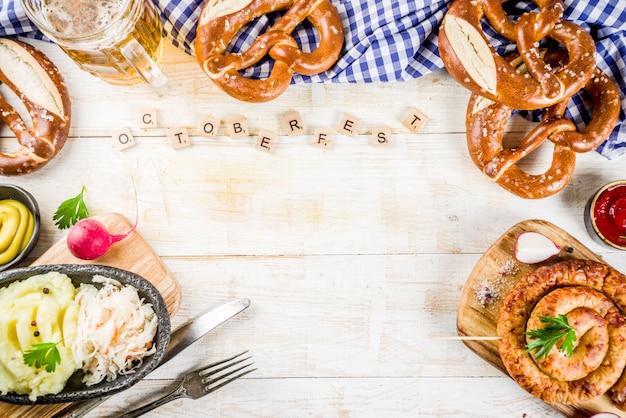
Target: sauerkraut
x,y
115,330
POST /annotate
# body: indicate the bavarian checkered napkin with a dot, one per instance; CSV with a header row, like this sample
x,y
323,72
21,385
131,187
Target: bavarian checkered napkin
x,y
395,40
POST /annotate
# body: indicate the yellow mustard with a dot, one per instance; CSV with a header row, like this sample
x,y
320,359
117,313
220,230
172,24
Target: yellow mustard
x,y
17,224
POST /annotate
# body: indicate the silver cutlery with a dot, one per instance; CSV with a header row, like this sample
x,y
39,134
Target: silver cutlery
x,y
198,383
180,339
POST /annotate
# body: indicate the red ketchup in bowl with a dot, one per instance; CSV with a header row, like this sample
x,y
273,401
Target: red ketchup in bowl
x,y
605,216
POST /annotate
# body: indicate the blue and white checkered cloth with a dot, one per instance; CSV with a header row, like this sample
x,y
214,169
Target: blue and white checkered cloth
x,y
394,40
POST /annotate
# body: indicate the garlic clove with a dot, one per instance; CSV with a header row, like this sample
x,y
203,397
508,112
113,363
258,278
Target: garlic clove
x,y
533,247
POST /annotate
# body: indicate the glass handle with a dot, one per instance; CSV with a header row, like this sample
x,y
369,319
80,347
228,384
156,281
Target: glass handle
x,y
145,66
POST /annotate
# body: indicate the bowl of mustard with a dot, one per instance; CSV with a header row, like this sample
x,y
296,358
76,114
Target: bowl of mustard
x,y
19,225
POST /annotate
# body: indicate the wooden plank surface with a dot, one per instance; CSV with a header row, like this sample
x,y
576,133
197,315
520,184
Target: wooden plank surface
x,y
354,257
133,254
499,270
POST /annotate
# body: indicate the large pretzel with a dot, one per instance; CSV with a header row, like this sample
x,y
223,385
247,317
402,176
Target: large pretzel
x,y
37,82
592,296
473,62
486,121
222,19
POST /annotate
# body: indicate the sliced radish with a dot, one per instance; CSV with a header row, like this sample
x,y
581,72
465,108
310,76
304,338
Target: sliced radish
x,y
533,247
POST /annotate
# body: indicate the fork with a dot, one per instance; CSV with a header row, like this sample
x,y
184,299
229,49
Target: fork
x,y
201,382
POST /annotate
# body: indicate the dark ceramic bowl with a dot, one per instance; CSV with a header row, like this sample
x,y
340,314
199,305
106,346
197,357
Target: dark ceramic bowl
x,y
75,390
10,191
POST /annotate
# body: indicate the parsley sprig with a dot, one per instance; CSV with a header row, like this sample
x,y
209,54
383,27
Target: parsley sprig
x,y
71,211
548,336
43,354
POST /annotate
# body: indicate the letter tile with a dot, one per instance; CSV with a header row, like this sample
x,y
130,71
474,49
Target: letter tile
x,y
148,118
209,126
123,139
322,137
237,126
349,125
266,141
381,136
415,120
292,123
179,137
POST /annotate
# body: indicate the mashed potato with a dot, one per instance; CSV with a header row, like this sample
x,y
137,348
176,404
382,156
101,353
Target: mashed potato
x,y
40,309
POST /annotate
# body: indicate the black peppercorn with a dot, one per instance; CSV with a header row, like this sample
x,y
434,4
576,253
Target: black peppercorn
x,y
36,333
46,290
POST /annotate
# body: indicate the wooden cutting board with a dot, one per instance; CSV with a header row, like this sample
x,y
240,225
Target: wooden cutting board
x,y
133,254
499,270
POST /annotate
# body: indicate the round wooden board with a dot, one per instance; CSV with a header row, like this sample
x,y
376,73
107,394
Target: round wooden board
x,y
499,269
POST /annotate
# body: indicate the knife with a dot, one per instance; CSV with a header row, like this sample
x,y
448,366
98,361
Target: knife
x,y
180,339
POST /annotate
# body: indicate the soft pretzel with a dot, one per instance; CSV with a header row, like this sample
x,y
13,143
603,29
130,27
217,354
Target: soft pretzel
x,y
606,107
222,19
486,121
473,62
37,82
591,295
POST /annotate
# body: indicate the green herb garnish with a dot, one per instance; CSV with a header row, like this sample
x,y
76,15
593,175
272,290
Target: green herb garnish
x,y
547,337
71,211
43,354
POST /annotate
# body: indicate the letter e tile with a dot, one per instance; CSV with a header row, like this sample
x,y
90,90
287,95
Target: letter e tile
x,y
266,141
349,125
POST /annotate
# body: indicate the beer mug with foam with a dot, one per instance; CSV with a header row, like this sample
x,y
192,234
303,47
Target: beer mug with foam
x,y
118,41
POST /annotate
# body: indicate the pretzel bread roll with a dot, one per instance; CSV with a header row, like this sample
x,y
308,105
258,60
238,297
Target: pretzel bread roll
x,y
591,296
220,22
473,62
37,82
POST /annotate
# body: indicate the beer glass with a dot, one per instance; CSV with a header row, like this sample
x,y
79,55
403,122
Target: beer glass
x,y
118,41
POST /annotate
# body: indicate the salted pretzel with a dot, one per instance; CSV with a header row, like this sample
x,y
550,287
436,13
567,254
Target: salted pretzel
x,y
592,296
486,121
473,62
222,19
37,82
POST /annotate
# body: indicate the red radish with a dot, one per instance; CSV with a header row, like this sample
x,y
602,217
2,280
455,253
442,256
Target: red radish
x,y
533,247
89,239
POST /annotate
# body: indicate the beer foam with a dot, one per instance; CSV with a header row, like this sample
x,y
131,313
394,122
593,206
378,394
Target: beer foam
x,y
81,17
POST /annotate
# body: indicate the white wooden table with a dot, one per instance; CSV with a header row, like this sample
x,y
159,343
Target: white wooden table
x,y
354,257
